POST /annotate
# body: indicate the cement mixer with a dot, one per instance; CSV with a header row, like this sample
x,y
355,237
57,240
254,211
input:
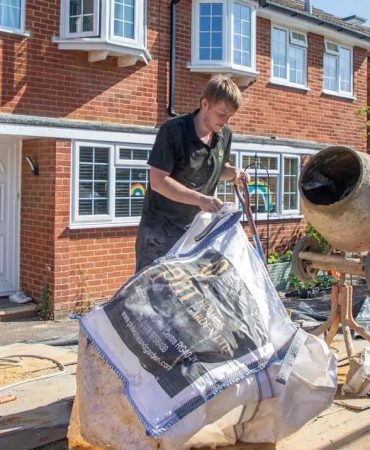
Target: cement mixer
x,y
335,197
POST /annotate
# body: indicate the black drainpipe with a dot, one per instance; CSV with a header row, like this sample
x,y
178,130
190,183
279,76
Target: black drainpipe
x,y
171,107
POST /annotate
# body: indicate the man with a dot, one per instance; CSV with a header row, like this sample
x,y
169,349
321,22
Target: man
x,y
189,157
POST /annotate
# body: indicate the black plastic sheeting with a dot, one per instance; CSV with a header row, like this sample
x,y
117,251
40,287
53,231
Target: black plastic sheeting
x,y
317,310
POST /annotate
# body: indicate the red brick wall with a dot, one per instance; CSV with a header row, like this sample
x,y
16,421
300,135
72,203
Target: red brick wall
x,y
40,79
82,267
368,103
90,265
37,218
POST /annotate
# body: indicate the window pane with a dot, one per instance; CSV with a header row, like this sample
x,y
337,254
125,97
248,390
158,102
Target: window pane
x,y
290,176
331,72
345,69
75,7
216,53
86,190
10,13
242,35
93,180
88,7
225,189
88,23
263,163
131,185
263,194
296,65
81,16
124,18
279,53
210,31
205,39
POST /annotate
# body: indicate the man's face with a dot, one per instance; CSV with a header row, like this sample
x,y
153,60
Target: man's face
x,y
216,115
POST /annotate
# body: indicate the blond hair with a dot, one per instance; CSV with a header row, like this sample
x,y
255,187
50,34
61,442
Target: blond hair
x,y
222,89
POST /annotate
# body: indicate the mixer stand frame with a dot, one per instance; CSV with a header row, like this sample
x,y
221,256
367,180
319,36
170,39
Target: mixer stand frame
x,y
341,314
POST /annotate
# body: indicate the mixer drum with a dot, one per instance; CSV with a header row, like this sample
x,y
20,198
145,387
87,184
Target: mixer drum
x,y
335,196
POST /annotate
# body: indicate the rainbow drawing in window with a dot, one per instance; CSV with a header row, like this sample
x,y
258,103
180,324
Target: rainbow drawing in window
x,y
262,190
137,190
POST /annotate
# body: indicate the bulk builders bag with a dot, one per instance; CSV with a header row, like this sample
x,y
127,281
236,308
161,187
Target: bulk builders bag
x,y
197,350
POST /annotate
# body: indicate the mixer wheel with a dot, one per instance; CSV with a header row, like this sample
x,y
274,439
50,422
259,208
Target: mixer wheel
x,y
367,269
302,268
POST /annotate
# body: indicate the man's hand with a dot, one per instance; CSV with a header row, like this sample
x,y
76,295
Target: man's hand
x,y
209,204
240,177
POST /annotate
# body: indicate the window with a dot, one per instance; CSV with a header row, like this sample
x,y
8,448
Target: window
x,y
242,35
83,17
337,69
225,189
109,185
12,14
274,190
210,31
223,37
289,56
124,18
110,27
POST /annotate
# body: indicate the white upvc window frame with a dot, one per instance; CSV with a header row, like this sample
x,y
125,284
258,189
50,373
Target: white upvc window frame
x,y
139,25
261,172
235,154
336,54
65,7
280,213
22,22
102,42
104,220
290,42
77,218
283,175
226,65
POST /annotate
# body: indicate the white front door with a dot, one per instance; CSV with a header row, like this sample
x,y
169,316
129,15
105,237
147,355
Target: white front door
x,y
9,216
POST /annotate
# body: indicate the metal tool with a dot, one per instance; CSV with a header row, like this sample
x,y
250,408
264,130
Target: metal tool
x,y
246,204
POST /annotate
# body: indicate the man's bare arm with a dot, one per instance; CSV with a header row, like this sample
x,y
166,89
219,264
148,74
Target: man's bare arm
x,y
161,182
230,173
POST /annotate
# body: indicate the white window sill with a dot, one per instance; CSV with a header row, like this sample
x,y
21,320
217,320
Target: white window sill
x,y
243,77
88,226
263,217
336,94
99,49
135,222
15,32
284,83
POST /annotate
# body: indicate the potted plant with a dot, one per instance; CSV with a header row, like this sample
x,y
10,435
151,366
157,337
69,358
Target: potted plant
x,y
279,267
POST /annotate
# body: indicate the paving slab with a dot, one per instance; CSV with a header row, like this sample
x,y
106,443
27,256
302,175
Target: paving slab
x,y
40,414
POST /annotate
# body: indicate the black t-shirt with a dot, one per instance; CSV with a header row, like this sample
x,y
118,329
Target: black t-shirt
x,y
196,165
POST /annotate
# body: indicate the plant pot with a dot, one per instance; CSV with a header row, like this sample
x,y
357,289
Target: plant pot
x,y
279,274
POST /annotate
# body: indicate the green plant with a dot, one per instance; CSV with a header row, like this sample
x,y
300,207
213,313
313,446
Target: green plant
x,y
322,280
286,257
313,233
365,111
273,258
45,309
82,301
297,285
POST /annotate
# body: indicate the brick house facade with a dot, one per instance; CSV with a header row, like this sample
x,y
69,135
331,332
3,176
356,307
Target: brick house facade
x,y
85,106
